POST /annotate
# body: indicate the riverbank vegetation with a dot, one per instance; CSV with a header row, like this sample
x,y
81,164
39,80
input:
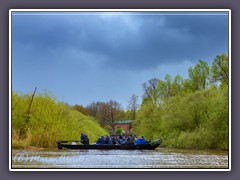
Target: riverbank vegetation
x,y
42,121
188,113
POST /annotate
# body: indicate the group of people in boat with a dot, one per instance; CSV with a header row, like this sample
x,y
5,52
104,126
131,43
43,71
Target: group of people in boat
x,y
117,139
121,139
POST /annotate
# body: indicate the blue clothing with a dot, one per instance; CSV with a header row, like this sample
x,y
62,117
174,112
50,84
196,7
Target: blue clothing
x,y
140,141
143,141
114,141
100,141
122,141
109,141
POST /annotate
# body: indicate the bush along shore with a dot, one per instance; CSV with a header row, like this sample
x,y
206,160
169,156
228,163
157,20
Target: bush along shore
x,y
39,121
188,113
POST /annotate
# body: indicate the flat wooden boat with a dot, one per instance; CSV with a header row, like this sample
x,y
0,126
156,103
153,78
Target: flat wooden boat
x,y
127,146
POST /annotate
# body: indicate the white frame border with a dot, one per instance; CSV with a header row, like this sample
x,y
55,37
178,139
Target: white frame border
x,y
114,10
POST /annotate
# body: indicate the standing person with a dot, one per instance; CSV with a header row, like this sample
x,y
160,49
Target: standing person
x,y
84,139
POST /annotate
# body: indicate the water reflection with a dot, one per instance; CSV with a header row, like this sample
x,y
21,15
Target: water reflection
x,y
160,158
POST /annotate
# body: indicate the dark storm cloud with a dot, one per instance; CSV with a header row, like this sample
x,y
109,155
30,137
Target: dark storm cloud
x,y
85,58
183,37
126,42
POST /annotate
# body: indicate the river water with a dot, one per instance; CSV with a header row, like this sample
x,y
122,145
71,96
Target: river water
x,y
154,159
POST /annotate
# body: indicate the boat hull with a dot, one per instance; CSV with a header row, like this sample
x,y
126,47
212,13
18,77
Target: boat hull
x,y
109,146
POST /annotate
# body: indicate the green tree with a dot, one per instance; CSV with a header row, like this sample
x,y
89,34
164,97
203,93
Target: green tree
x,y
220,69
188,113
148,121
177,85
119,130
169,87
199,75
150,90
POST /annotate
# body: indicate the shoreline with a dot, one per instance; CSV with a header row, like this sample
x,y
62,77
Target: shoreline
x,y
169,149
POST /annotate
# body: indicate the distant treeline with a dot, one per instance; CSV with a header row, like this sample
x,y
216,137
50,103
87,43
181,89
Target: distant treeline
x,y
106,113
188,113
41,121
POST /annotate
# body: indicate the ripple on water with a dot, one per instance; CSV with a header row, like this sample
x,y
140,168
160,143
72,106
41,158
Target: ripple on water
x,y
117,159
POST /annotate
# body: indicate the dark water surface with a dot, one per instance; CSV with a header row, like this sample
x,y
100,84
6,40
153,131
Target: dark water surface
x,y
159,158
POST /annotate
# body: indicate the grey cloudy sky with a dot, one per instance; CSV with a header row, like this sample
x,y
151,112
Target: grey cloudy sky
x,y
97,56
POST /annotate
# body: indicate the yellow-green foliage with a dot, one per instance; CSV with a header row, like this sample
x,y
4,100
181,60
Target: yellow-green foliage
x,y
49,121
196,120
188,113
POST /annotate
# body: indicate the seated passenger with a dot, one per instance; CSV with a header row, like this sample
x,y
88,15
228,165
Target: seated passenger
x,y
108,140
140,140
114,141
119,139
128,139
143,141
122,141
100,140
131,137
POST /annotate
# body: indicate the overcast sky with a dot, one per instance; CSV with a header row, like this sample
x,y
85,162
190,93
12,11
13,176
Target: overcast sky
x,y
85,57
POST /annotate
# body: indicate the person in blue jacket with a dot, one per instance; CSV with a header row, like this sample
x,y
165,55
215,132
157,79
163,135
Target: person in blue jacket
x,y
108,140
100,140
123,140
114,140
143,141
140,140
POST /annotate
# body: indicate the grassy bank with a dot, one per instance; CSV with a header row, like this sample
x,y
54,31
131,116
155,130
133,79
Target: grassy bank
x,y
47,121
